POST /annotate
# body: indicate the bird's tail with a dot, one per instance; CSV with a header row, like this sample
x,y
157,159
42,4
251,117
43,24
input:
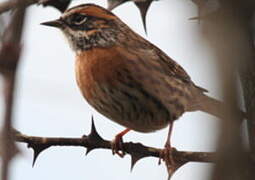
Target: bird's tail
x,y
212,106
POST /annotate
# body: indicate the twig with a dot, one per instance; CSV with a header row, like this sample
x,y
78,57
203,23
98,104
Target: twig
x,y
95,141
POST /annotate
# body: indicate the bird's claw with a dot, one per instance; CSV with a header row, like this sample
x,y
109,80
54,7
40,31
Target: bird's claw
x,y
167,156
117,146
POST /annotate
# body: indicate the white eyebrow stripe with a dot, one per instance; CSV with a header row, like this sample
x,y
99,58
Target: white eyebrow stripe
x,y
84,20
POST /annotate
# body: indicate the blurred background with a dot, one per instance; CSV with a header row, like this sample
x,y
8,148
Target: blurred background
x,y
49,103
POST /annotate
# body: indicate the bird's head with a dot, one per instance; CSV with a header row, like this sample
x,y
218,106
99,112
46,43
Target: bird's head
x,y
87,26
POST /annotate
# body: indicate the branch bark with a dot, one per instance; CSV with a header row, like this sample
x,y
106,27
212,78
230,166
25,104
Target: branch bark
x,y
93,141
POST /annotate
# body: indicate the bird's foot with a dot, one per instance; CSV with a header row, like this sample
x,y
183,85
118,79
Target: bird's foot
x,y
117,143
117,146
167,156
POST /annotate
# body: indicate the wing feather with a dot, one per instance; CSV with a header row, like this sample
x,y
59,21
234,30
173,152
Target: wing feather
x,y
159,76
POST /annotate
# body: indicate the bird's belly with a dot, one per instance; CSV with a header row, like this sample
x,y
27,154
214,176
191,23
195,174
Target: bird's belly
x,y
119,97
129,106
139,113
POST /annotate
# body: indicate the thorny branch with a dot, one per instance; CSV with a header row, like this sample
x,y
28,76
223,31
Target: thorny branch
x,y
95,141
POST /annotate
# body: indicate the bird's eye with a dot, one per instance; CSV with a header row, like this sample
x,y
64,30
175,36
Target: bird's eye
x,y
79,19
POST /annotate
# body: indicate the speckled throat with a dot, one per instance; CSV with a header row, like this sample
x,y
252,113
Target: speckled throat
x,y
85,40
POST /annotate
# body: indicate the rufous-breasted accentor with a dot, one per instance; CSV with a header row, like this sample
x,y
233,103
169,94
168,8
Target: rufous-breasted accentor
x,y
125,77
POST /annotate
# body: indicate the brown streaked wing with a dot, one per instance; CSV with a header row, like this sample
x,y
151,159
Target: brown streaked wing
x,y
158,80
174,69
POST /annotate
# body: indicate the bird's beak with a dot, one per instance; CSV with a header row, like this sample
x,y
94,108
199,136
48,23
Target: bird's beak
x,y
56,23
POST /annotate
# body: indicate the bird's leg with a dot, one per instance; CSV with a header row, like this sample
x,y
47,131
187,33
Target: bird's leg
x,y
166,153
117,143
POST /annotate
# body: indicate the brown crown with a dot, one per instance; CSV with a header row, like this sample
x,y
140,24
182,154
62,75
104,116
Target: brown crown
x,y
91,10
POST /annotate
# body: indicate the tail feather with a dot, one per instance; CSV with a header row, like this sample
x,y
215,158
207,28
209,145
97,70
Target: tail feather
x,y
212,106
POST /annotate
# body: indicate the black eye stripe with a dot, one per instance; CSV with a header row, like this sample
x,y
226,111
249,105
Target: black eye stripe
x,y
78,17
75,18
77,22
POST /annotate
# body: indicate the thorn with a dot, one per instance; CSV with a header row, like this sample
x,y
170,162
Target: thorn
x,y
37,150
36,154
114,3
93,137
61,5
171,170
88,150
173,166
169,177
143,8
134,159
93,133
93,127
194,18
200,4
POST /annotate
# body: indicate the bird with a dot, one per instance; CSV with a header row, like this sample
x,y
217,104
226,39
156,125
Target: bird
x,y
125,77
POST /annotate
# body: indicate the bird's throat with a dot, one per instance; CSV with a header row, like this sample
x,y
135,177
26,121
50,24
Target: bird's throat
x,y
86,40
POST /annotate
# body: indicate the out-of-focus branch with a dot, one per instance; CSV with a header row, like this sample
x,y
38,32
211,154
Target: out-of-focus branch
x,y
247,77
9,58
12,4
248,83
226,32
246,65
